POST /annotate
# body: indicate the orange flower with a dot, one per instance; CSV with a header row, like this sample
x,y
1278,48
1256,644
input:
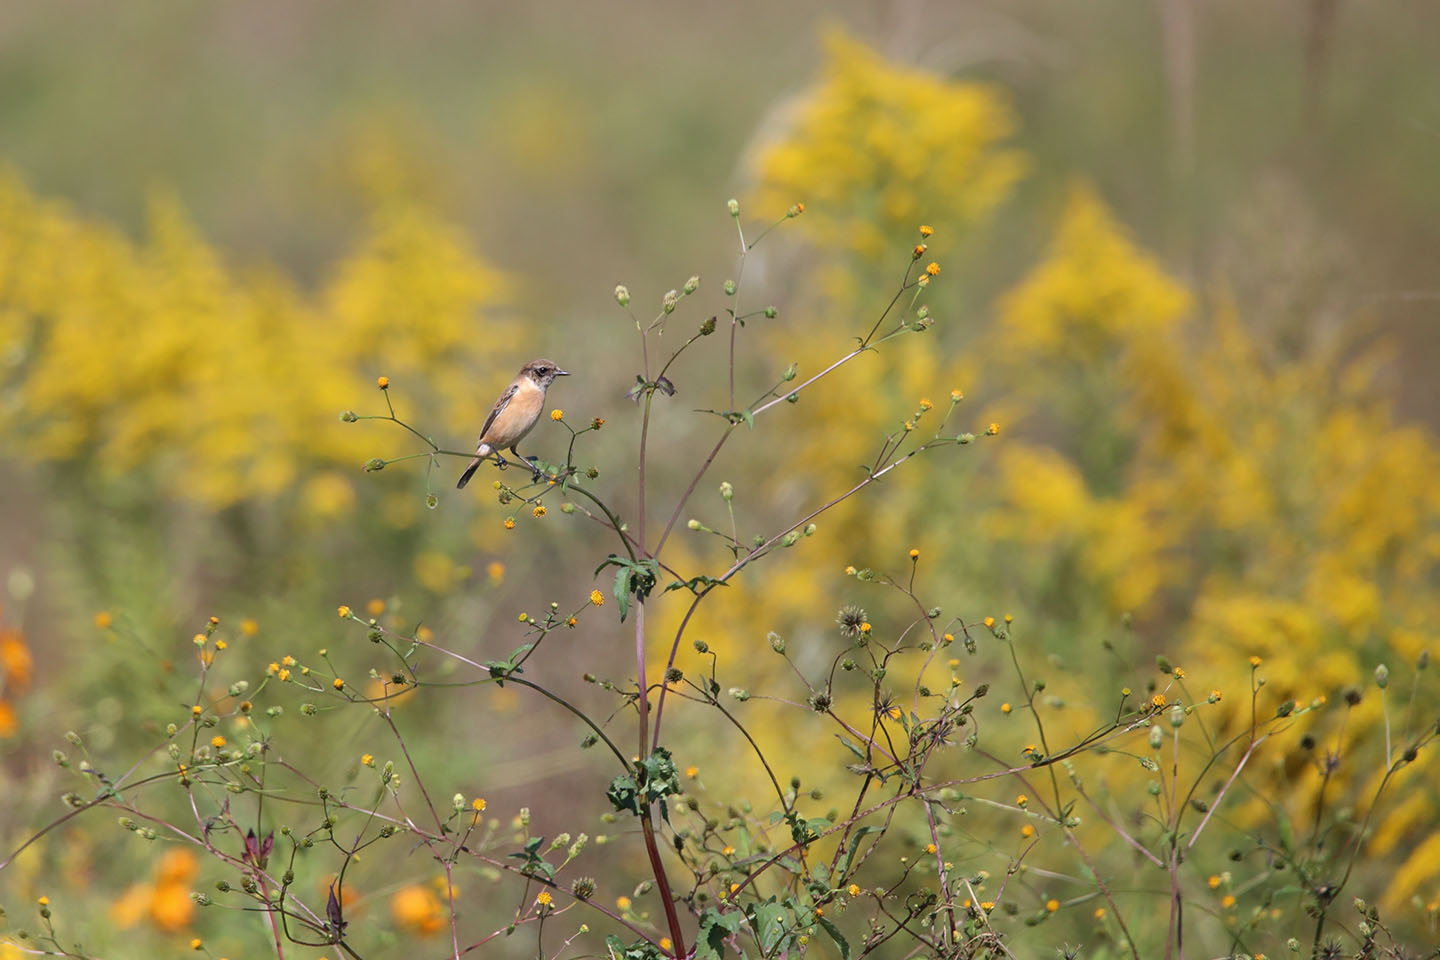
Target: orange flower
x,y
417,910
16,664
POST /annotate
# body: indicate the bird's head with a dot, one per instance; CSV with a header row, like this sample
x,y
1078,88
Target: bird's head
x,y
543,372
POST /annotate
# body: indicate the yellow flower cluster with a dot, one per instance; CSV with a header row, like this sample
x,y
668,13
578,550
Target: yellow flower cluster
x,y
159,356
873,147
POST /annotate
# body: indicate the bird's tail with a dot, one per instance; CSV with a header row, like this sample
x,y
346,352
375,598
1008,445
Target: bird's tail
x,y
469,472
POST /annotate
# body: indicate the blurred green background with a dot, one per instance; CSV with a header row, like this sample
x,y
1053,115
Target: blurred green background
x,y
1188,265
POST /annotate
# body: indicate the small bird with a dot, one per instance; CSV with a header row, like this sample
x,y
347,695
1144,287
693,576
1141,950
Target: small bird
x,y
514,414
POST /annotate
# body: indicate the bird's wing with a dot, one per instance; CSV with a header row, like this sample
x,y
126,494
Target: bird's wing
x,y
499,408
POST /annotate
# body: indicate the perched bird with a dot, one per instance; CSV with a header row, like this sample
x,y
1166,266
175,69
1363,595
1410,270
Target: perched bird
x,y
514,414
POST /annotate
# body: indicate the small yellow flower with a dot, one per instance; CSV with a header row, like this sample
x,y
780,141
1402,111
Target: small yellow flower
x,y
103,620
622,903
539,510
196,710
343,611
664,943
914,554
1214,881
217,741
509,523
929,848
925,404
1099,913
957,395
597,423
819,911
288,660
597,598
1178,673
948,639
932,268
729,851
926,230
1255,661
1228,901
283,675
987,905
196,943
557,415
1214,696
865,627
1022,800
367,760
570,621
43,901
854,890
273,668
375,607
338,684
544,898
221,644
1027,831
850,570
383,383
1006,708
246,706
919,251
1158,700
909,425
478,804
249,627
424,634
692,771
1052,905
993,429
198,639
989,622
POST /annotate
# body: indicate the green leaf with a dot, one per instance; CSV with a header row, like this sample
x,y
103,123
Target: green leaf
x,y
829,927
770,923
622,591
715,928
748,417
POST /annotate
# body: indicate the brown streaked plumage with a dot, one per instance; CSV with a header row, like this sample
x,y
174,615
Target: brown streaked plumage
x,y
514,414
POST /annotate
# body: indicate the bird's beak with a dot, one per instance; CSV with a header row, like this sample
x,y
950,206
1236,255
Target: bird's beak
x,y
562,373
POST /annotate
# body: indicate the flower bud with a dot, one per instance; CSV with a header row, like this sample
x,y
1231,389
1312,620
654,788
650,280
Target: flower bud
x,y
348,416
771,313
733,206
694,524
622,295
692,285
374,465
1157,738
1382,676
740,693
777,642
727,492
729,288
458,802
667,303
